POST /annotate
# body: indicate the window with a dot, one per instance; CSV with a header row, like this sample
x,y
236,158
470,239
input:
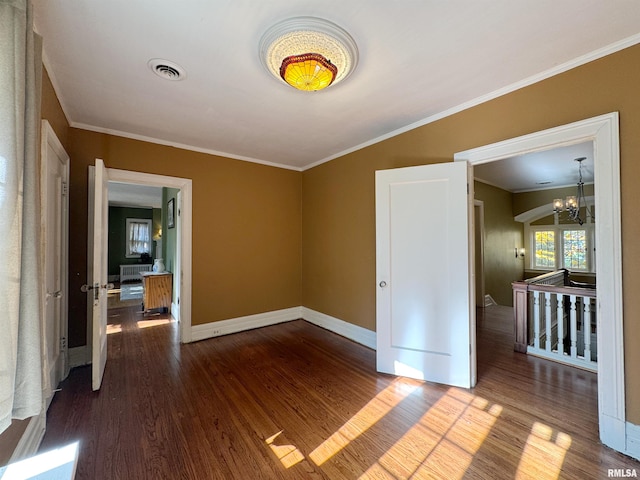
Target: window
x,y
562,246
545,249
574,249
138,237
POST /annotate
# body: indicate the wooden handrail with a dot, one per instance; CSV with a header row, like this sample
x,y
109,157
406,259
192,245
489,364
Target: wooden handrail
x,y
521,291
580,291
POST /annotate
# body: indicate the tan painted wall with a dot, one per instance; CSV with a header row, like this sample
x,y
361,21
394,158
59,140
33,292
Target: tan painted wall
x,y
246,226
502,235
52,111
338,196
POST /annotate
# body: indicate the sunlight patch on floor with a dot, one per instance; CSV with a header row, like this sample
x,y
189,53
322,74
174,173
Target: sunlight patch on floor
x,y
289,455
543,454
442,443
113,328
368,416
153,323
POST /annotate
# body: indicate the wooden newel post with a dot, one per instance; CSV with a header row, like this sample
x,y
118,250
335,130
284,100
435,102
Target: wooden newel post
x,y
520,311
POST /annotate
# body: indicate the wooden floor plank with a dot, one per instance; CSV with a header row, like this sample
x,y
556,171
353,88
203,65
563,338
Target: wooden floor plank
x,y
294,401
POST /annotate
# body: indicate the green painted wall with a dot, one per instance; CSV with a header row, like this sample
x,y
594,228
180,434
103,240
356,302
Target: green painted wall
x,y
501,236
117,235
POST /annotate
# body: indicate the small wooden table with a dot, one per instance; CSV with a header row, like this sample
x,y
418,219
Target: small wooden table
x,y
158,290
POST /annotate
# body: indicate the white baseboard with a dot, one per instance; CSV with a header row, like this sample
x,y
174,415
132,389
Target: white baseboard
x,y
234,325
31,438
175,311
78,356
633,441
353,332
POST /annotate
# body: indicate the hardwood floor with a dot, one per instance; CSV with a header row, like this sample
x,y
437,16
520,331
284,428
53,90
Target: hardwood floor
x,y
294,401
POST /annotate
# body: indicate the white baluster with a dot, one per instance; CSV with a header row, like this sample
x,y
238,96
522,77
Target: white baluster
x,y
574,333
560,319
586,326
536,320
547,315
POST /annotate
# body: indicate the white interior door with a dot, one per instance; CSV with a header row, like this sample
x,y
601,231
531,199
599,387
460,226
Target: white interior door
x,y
54,211
97,267
425,294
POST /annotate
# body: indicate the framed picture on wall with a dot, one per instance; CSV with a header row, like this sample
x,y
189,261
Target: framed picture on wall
x,y
171,213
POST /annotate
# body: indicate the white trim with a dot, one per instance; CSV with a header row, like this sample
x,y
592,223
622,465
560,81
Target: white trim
x,y
239,324
633,440
78,356
49,138
183,146
186,187
353,332
558,69
603,131
30,441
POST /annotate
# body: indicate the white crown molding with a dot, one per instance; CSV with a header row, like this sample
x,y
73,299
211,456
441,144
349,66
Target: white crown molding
x,y
183,146
576,62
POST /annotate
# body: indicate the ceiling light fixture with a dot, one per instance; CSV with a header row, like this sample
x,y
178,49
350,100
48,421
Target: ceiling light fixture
x,y
308,53
573,203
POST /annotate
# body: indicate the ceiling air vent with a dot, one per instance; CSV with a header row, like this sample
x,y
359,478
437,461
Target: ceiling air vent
x,y
166,69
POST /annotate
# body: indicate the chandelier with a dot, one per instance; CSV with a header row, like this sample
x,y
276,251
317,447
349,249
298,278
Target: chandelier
x,y
308,53
573,203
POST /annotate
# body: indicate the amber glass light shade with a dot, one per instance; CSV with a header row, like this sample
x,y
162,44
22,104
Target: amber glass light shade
x,y
309,71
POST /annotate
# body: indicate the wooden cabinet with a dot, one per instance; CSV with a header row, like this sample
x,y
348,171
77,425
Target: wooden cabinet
x,y
158,290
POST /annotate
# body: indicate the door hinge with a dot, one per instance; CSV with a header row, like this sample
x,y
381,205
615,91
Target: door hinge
x,y
63,343
467,189
65,189
178,300
178,212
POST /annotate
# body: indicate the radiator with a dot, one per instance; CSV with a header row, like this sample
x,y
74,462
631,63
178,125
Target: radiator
x,y
132,272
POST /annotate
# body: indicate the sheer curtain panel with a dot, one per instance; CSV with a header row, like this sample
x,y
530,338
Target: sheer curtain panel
x,y
21,384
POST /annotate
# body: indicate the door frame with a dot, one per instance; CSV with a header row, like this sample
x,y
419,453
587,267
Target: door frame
x,y
48,138
478,230
184,226
603,131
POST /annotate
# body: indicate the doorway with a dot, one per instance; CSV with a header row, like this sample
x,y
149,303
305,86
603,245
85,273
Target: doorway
x,y
603,132
184,227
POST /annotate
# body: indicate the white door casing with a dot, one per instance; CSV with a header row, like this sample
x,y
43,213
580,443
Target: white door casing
x,y
184,227
54,223
97,268
424,263
603,131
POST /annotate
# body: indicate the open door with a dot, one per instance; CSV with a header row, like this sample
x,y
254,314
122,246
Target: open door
x,y
424,262
97,268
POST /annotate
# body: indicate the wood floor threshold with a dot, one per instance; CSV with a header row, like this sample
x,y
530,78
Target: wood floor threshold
x,y
294,401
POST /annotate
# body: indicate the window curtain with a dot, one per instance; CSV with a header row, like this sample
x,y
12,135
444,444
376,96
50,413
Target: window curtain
x,y
139,238
21,378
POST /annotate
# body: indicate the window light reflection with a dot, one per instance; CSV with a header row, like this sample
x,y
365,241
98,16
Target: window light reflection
x,y
443,442
368,416
543,455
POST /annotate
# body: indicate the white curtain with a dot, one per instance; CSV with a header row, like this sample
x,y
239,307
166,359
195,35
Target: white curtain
x,y
21,382
139,238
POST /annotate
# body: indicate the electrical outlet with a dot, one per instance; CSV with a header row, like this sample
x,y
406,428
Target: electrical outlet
x,y
217,333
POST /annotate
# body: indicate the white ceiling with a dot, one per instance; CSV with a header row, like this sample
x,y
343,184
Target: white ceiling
x,y
419,60
539,170
127,195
